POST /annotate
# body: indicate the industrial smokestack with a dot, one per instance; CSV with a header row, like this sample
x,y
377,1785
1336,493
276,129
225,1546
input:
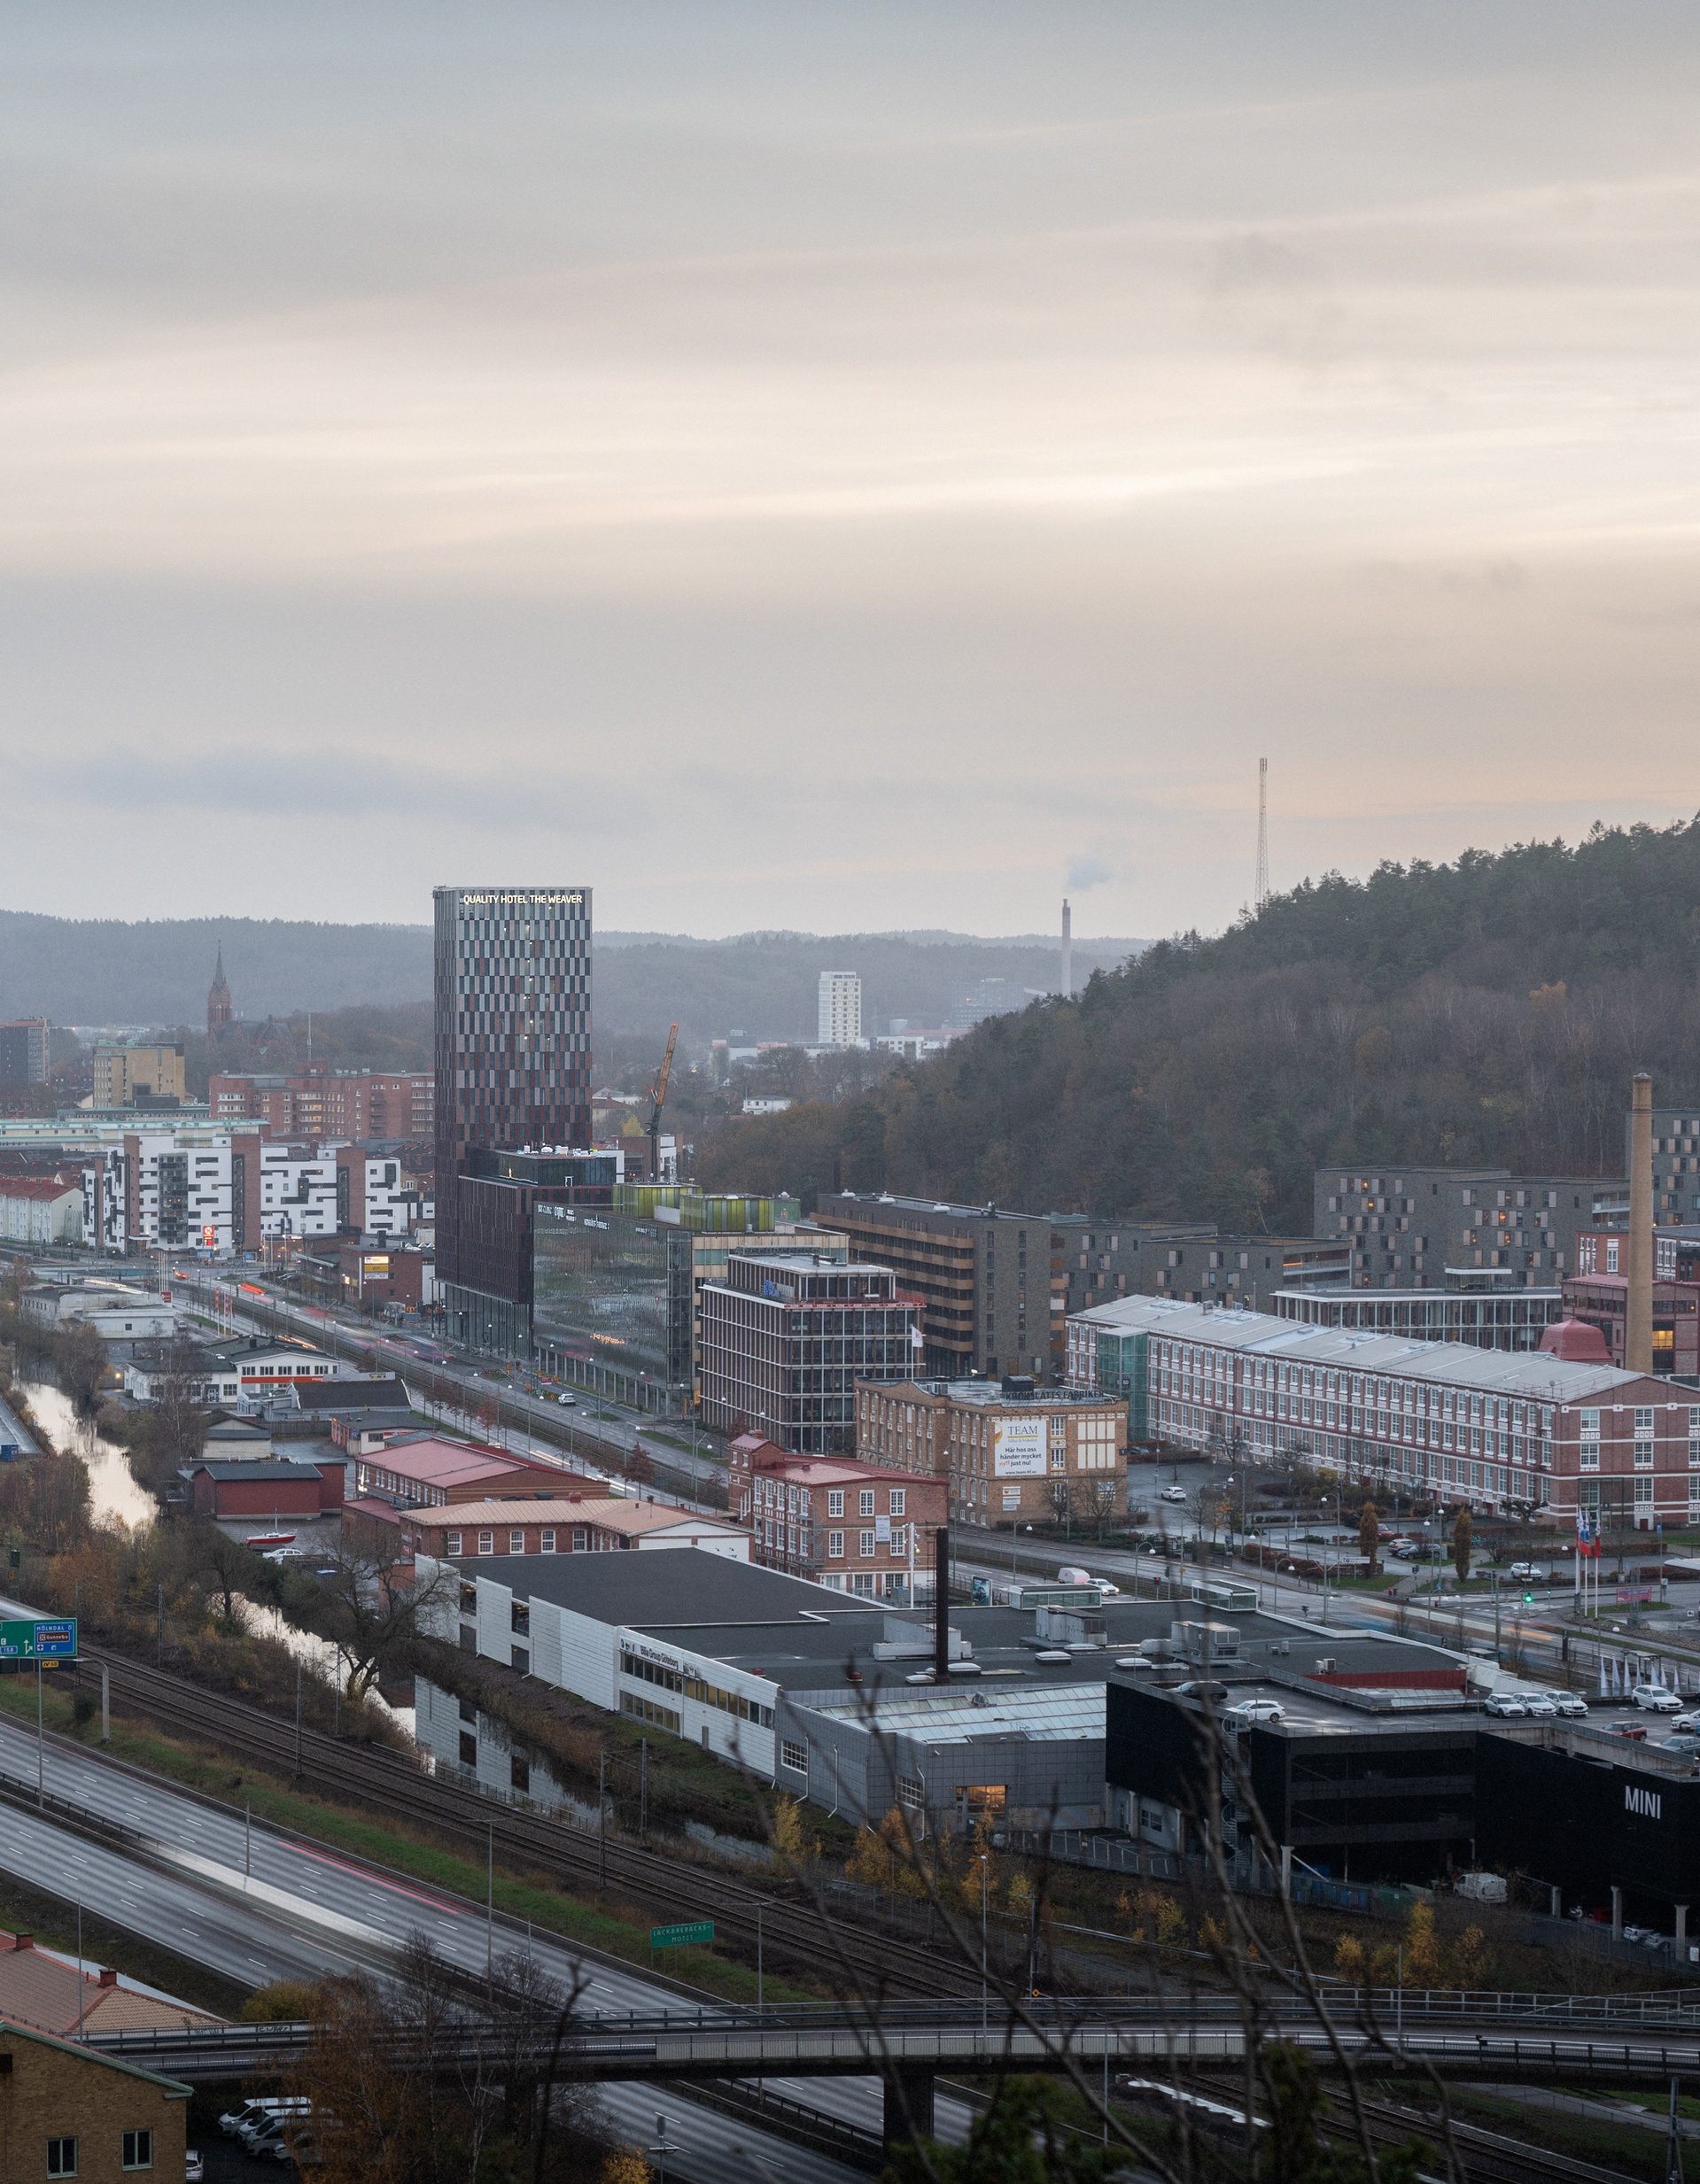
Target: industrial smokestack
x,y
941,1604
1067,951
1638,1332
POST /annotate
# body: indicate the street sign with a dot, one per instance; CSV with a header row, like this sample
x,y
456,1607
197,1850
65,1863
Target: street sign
x,y
38,1640
698,1936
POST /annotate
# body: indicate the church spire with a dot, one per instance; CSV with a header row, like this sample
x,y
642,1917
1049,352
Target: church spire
x,y
218,1010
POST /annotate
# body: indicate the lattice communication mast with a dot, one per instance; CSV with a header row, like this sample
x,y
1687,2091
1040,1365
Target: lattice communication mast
x,y
1261,892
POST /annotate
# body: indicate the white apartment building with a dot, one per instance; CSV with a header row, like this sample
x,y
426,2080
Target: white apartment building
x,y
298,1191
840,1009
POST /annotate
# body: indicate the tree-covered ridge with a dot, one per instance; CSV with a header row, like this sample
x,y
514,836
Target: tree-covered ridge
x,y
1486,1011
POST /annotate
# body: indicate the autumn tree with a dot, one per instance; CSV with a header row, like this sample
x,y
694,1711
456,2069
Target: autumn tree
x,y
1368,1536
375,1608
1461,1545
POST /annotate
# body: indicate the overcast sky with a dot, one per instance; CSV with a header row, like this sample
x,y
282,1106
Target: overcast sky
x,y
840,466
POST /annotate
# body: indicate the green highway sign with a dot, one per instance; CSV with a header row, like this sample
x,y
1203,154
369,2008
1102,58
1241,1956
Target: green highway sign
x,y
698,1936
38,1640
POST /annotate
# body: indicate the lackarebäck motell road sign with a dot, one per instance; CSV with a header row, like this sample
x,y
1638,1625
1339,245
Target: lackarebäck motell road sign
x,y
698,1936
38,1640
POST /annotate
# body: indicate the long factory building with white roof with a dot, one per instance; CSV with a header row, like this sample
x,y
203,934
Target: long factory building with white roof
x,y
1493,1429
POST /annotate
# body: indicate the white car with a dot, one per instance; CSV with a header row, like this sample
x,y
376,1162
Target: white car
x,y
1540,1706
1506,1706
1657,1698
1688,1722
1172,1494
1258,1710
1570,1706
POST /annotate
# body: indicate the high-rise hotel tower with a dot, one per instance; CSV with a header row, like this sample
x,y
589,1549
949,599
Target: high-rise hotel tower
x,y
512,1008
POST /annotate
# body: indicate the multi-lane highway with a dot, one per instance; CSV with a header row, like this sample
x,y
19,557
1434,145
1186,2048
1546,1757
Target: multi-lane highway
x,y
256,1905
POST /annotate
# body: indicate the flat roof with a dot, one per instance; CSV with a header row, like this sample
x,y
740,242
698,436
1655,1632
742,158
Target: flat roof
x,y
692,1588
258,1472
377,1391
1504,1372
1314,1711
990,1393
613,1512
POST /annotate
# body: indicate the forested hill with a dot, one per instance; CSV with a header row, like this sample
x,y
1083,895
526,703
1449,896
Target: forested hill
x,y
1491,1010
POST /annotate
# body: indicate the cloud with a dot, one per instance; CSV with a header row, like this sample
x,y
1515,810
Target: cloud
x,y
1085,873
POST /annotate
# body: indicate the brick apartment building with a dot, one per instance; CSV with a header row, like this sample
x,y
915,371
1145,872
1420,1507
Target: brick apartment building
x,y
1404,1228
1011,1451
321,1102
856,1527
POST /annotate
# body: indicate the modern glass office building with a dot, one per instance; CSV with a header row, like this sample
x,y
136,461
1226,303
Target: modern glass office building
x,y
617,1289
512,1054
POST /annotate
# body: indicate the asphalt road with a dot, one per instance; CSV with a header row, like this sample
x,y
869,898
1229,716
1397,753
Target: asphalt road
x,y
308,1911
398,1353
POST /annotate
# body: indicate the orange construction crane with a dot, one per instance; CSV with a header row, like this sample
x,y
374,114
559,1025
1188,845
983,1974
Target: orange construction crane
x,y
659,1098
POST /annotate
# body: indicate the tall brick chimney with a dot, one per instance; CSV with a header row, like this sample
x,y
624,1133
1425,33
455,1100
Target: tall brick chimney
x,y
1638,1328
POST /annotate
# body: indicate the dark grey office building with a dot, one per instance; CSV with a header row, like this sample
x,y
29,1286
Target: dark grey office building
x,y
1676,1163
512,1051
23,1051
1405,1228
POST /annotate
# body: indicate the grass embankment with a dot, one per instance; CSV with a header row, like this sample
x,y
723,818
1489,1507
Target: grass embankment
x,y
612,1926
1629,2148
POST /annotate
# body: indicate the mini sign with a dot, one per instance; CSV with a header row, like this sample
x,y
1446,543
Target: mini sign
x,y
698,1936
38,1641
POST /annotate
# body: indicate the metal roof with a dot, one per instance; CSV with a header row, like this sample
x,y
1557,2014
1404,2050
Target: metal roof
x,y
1531,1373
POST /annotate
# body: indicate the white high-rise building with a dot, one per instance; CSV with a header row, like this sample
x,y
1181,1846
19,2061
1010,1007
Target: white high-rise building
x,y
840,1008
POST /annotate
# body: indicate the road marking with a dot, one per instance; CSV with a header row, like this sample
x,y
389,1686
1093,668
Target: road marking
x,y
374,1880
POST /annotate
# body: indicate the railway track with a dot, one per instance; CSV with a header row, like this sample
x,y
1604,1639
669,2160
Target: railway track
x,y
1486,2156
788,1929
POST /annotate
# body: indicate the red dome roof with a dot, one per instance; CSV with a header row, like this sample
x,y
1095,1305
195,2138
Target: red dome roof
x,y
1576,1341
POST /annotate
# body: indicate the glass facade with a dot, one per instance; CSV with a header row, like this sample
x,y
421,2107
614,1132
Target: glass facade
x,y
616,1291
603,1311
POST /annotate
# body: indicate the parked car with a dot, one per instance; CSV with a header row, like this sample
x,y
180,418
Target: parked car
x,y
194,2167
1635,1731
250,2112
1540,1706
1533,1573
1201,1689
1405,1550
1686,1721
1657,1698
1506,1705
1172,1494
1685,1744
1258,1710
1568,1704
